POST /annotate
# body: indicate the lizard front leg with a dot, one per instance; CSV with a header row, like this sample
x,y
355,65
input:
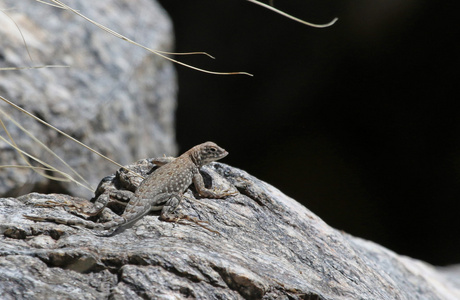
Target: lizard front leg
x,y
209,193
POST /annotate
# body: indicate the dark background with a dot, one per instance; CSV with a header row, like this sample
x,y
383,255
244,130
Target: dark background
x,y
359,121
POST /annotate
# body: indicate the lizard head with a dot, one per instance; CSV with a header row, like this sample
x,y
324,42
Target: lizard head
x,y
208,152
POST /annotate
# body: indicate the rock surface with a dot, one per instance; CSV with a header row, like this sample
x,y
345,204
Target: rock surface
x,y
268,246
115,97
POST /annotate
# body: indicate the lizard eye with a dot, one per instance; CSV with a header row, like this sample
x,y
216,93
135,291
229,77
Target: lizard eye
x,y
212,149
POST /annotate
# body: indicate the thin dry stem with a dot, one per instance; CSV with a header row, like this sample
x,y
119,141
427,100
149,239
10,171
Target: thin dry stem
x,y
66,135
40,144
65,175
27,50
292,17
20,32
35,168
32,67
186,53
162,54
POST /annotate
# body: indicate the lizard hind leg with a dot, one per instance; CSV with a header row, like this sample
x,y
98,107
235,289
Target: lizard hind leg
x,y
170,206
112,221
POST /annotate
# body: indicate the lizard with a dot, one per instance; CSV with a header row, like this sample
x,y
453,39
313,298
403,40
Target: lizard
x,y
162,190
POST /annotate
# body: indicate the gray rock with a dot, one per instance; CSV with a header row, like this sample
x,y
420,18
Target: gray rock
x,y
115,97
268,246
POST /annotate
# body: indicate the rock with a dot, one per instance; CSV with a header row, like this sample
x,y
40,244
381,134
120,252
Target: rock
x,y
115,97
268,246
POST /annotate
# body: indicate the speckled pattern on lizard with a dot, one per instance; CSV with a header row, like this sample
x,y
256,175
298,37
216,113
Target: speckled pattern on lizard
x,y
161,190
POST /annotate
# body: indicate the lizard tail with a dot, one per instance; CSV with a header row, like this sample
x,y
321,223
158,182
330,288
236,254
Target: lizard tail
x,y
80,222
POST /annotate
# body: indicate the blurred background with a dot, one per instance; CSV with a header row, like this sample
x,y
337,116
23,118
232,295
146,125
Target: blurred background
x,y
358,121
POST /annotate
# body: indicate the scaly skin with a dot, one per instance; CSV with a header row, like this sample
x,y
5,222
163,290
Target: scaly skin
x,y
162,190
